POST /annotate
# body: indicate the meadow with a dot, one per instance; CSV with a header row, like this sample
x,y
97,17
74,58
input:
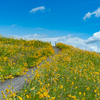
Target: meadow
x,y
16,56
73,74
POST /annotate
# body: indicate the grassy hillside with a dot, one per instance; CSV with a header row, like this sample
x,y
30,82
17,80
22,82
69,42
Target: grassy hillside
x,y
17,55
73,74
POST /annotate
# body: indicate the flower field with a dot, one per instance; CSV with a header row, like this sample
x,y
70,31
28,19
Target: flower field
x,y
17,55
73,74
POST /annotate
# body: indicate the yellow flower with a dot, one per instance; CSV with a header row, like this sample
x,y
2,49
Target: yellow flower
x,y
7,90
84,93
8,86
3,96
27,96
38,92
80,93
95,91
45,94
74,97
32,88
40,83
41,96
3,80
75,78
61,86
25,79
58,95
53,98
69,95
88,88
14,94
2,92
20,98
72,82
54,89
24,94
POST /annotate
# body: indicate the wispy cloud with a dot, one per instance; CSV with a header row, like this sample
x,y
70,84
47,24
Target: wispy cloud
x,y
11,26
94,38
41,8
96,13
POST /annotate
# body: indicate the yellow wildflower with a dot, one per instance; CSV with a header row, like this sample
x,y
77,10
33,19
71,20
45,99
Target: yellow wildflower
x,y
27,96
20,98
80,93
32,88
61,87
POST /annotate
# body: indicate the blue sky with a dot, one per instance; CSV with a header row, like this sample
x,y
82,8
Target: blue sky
x,y
55,20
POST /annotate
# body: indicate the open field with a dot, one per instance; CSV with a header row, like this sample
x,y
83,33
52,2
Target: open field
x,y
73,74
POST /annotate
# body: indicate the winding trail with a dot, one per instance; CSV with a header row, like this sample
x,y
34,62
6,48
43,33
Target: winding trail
x,y
18,82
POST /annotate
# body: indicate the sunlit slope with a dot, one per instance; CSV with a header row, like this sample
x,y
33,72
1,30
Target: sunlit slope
x,y
80,56
73,74
22,42
17,55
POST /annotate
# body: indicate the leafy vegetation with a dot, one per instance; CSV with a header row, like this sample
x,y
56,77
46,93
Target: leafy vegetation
x,y
73,74
17,55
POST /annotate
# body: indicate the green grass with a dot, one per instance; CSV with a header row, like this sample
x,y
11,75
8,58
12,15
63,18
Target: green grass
x,y
18,55
73,74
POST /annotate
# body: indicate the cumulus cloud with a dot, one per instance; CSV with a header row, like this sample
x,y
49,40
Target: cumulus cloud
x,y
80,43
96,13
94,38
69,40
41,8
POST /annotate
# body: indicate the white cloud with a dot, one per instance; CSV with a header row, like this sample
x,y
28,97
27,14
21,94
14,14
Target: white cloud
x,y
94,38
77,42
88,15
41,8
96,12
69,40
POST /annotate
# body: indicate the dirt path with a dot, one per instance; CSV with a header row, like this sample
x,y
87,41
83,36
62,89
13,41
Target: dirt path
x,y
18,82
56,49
